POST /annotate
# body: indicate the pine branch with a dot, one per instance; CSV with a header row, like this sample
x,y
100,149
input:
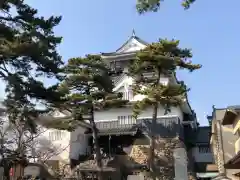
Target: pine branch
x,y
28,50
144,6
161,58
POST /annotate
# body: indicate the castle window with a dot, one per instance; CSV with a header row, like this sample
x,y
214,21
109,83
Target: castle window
x,y
128,95
56,135
126,119
204,149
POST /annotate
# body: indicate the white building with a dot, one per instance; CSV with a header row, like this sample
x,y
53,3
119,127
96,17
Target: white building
x,y
54,144
119,120
120,59
47,144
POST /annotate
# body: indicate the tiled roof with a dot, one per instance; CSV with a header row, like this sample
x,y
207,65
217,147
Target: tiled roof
x,y
121,53
235,107
133,37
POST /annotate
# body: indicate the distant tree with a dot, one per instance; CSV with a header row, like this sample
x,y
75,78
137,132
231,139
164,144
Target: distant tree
x,y
27,51
88,88
14,128
19,144
161,58
41,149
17,131
144,6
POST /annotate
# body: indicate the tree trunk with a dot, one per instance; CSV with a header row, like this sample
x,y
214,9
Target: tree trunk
x,y
96,144
6,168
153,134
152,140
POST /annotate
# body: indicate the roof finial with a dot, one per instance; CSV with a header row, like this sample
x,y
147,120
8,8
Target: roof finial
x,y
133,33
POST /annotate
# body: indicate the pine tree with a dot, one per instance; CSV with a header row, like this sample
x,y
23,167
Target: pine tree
x,y
88,88
161,58
144,6
27,50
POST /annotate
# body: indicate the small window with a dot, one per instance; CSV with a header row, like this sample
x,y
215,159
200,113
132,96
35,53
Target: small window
x,y
56,135
204,149
126,119
130,94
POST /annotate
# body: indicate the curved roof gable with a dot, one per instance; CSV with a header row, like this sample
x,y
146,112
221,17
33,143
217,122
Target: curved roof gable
x,y
134,43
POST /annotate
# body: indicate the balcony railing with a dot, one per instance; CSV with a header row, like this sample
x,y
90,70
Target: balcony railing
x,y
237,145
167,127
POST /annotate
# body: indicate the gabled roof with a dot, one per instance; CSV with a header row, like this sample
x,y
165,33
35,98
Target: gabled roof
x,y
133,41
130,40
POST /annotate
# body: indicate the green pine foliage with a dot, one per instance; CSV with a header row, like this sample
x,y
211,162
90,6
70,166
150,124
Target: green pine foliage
x,y
156,60
87,88
144,6
161,58
27,52
27,49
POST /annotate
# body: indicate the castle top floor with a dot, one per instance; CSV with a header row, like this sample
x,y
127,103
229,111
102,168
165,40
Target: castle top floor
x,y
127,51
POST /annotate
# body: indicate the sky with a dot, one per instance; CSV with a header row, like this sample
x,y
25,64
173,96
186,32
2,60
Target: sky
x,y
211,29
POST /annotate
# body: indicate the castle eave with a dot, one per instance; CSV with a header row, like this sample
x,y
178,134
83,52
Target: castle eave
x,y
117,132
122,56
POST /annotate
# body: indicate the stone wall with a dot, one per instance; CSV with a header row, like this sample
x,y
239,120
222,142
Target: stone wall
x,y
165,162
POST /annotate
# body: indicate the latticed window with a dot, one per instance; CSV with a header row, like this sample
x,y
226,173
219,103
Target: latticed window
x,y
128,95
204,149
126,120
56,135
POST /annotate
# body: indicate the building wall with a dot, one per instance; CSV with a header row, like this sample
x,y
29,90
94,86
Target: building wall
x,y
228,140
79,140
202,152
202,156
78,143
56,140
112,114
73,144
